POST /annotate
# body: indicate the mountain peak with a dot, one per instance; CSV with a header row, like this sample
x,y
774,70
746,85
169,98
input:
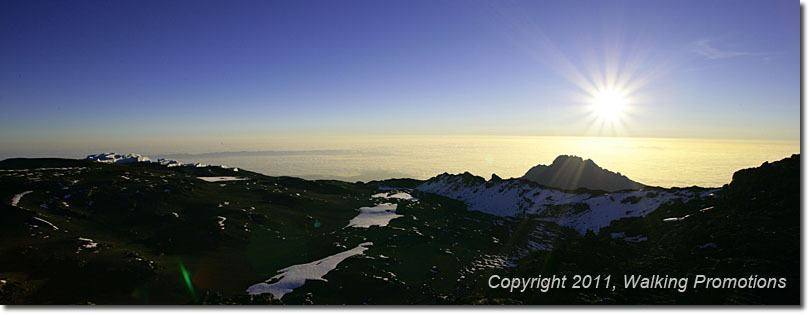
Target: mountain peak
x,y
564,158
572,172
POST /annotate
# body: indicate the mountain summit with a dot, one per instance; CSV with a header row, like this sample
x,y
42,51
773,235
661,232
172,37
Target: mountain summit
x,y
572,172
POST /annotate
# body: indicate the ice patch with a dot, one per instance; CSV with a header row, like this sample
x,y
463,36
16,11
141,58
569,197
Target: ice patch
x,y
213,179
295,276
380,215
16,199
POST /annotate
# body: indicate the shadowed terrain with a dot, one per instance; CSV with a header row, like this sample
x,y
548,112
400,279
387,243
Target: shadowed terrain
x,y
78,232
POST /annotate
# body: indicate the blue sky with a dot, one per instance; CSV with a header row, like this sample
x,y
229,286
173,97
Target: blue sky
x,y
131,70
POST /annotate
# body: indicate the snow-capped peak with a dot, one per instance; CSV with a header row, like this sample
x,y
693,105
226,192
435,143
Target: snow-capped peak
x,y
580,210
114,158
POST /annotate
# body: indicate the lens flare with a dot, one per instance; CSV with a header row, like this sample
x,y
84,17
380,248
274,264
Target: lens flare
x,y
608,105
187,279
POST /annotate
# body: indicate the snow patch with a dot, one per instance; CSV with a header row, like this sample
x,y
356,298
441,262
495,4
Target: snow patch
x,y
169,163
493,262
46,222
87,243
221,222
395,195
380,215
706,209
295,276
676,219
16,199
213,179
541,239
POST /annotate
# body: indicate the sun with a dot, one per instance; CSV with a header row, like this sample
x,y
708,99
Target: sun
x,y
608,105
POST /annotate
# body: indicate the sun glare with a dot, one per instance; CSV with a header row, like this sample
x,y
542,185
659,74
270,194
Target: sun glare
x,y
609,105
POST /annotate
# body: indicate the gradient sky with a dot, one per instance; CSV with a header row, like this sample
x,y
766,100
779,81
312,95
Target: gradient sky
x,y
134,70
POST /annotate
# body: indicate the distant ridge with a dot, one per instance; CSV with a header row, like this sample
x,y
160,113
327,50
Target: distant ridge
x,y
572,172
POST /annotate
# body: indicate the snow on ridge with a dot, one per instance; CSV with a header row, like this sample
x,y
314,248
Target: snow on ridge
x,y
580,211
115,158
295,276
169,163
